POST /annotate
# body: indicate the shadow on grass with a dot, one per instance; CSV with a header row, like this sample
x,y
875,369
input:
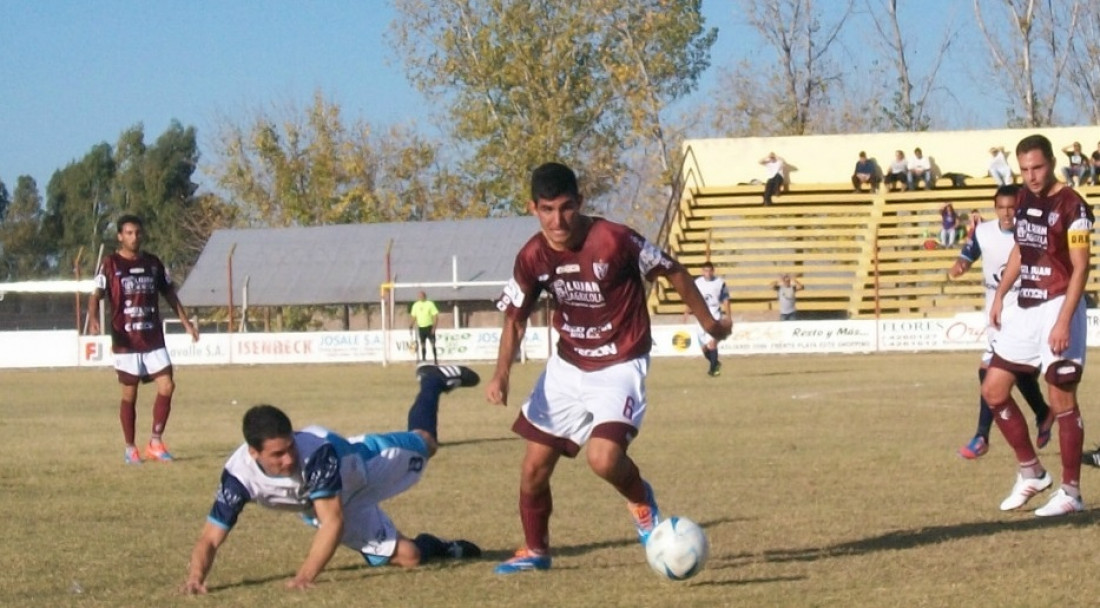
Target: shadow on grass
x,y
461,442
581,549
909,539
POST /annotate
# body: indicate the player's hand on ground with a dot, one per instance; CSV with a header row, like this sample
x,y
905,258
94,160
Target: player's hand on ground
x,y
496,392
299,583
193,588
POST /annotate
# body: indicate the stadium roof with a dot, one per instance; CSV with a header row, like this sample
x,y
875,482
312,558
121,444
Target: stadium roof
x,y
346,264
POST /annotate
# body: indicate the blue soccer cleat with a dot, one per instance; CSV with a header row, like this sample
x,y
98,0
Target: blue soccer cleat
x,y
523,561
646,515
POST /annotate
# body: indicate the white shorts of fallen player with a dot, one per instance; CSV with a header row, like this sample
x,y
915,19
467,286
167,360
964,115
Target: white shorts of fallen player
x,y
569,402
392,463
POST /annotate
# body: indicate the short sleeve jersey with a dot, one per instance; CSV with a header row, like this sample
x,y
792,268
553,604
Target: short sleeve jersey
x,y
598,292
319,476
424,313
714,293
993,246
1046,229
133,287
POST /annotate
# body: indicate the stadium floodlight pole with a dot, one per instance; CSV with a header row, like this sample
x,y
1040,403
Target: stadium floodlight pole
x,y
229,275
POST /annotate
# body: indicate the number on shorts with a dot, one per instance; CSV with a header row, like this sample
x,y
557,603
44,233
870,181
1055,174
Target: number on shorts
x,y
628,408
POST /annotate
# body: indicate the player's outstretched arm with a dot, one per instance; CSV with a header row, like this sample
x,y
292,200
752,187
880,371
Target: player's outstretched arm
x,y
511,336
684,285
202,558
181,312
330,515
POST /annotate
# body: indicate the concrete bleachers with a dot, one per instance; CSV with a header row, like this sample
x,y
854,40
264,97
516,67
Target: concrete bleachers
x,y
859,255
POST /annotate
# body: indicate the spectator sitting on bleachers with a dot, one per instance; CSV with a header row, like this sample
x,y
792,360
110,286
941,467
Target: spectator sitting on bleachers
x,y
920,168
865,173
998,167
899,171
1079,165
775,167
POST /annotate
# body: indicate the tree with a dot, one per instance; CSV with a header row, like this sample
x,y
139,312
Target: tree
x,y
78,209
802,37
5,200
1084,71
23,255
909,108
310,168
527,82
1030,57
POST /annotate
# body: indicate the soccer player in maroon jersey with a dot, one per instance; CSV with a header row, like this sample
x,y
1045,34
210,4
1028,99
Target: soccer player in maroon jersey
x,y
1047,331
593,389
133,282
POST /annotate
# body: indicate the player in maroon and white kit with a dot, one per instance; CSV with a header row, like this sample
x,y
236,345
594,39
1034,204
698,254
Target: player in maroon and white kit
x,y
1047,331
133,282
593,389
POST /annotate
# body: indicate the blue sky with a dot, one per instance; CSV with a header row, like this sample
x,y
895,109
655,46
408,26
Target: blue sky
x,y
76,73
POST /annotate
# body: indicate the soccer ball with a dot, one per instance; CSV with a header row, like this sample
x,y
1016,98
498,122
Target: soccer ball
x,y
677,548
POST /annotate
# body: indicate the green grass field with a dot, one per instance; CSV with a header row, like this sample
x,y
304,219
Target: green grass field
x,y
821,481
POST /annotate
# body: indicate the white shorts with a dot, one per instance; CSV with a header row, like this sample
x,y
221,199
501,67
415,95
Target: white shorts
x,y
1024,332
568,402
393,462
141,366
703,337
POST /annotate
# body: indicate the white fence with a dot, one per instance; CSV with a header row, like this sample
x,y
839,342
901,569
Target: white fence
x,y
67,349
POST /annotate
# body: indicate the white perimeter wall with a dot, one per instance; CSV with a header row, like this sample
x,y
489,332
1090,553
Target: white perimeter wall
x,y
831,158
67,349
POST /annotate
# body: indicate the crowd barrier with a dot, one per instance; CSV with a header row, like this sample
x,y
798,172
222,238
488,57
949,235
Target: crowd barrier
x,y
34,349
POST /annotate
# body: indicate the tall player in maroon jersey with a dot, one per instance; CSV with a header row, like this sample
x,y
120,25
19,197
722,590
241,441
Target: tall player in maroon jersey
x,y
593,388
1047,331
133,282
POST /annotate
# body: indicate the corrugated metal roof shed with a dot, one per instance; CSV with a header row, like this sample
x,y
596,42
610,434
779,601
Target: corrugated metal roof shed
x,y
346,264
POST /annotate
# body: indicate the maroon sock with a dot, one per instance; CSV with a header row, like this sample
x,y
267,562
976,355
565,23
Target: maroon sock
x,y
127,415
632,487
161,408
1071,439
534,513
1014,428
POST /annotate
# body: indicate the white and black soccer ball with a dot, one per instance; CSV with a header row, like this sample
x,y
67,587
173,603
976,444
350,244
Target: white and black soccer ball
x,y
677,548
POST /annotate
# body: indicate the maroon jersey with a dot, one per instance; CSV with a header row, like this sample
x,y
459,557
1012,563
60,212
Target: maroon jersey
x,y
133,287
1043,225
598,292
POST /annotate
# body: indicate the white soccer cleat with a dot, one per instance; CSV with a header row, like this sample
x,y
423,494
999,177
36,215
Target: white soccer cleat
x,y
1060,504
1024,489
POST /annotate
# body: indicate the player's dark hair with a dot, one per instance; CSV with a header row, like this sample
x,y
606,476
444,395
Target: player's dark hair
x,y
263,422
1036,142
1007,190
551,180
129,218
707,264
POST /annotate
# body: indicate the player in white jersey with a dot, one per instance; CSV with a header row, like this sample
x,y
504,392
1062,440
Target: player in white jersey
x,y
334,484
992,243
717,296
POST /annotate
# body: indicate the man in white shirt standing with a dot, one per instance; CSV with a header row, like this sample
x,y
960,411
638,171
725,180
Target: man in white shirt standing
x,y
717,297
